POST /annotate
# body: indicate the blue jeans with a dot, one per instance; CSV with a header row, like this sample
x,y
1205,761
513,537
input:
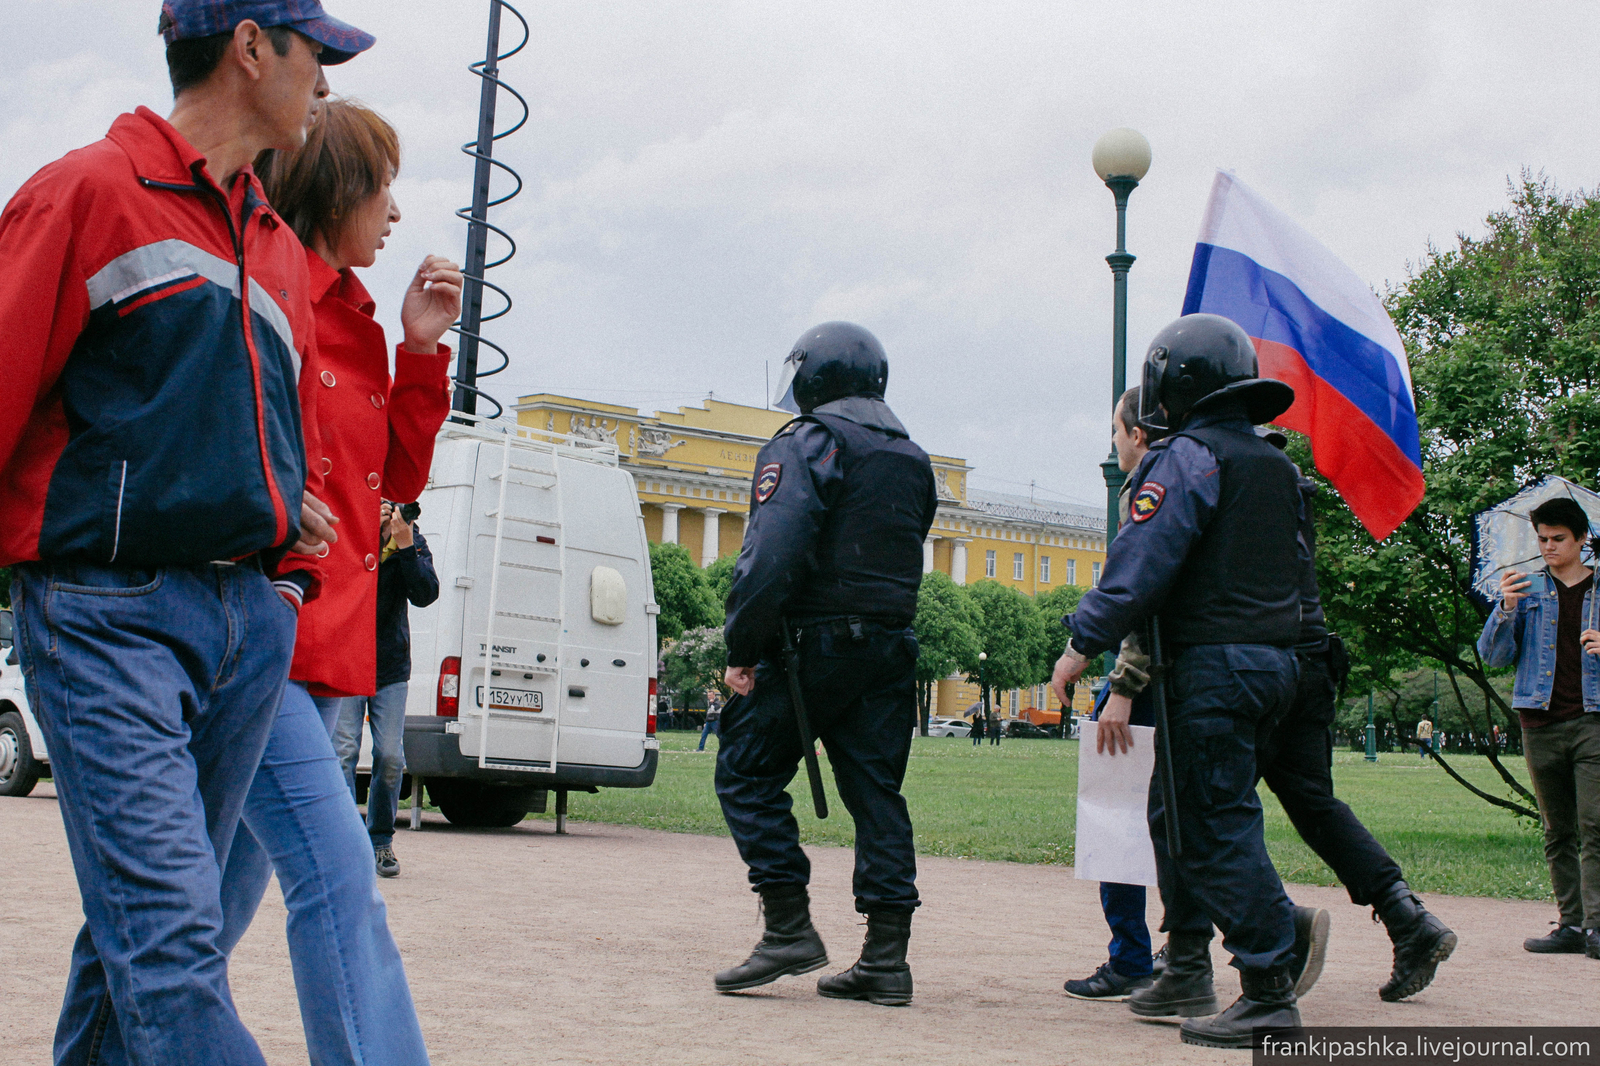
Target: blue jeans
x,y
355,1004
155,690
386,712
707,730
1130,936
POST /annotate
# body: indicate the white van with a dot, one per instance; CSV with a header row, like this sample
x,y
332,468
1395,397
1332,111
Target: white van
x,y
23,757
535,670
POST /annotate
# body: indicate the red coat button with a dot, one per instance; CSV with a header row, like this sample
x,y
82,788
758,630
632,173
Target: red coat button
x,y
372,562
377,401
373,481
327,465
327,378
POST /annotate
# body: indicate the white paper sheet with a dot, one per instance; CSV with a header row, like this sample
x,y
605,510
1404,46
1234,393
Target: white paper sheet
x,y
1113,829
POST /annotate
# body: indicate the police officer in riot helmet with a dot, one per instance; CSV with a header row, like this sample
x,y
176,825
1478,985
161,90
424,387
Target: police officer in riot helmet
x,y
1212,551
841,503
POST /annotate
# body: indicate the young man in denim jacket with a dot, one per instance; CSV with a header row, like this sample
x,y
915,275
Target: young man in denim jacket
x,y
1550,632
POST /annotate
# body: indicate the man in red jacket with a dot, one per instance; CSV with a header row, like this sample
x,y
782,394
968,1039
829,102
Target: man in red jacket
x,y
159,339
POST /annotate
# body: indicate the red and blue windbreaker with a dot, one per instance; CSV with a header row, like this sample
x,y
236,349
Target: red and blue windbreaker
x,y
157,331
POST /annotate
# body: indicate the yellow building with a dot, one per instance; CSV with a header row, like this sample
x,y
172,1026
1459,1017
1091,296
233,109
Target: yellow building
x,y
693,468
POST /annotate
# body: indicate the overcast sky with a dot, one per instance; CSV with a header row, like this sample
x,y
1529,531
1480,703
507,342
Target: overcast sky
x,y
707,179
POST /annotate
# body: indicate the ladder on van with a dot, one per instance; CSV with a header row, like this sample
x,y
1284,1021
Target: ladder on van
x,y
550,718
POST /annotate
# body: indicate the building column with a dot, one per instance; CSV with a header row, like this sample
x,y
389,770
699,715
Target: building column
x,y
744,526
927,555
958,560
711,542
669,522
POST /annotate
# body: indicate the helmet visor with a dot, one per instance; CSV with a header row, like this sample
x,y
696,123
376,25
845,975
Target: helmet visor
x,y
783,393
1152,415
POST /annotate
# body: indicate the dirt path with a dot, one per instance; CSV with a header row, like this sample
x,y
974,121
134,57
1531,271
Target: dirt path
x,y
598,947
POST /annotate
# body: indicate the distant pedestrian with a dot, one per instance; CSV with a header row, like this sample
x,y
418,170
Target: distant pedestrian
x,y
977,730
996,727
1424,737
713,716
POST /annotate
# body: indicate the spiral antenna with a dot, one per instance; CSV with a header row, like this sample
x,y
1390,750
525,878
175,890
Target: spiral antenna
x,y
478,225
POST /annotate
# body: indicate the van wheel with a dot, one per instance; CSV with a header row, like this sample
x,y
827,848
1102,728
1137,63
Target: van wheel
x,y
19,770
475,805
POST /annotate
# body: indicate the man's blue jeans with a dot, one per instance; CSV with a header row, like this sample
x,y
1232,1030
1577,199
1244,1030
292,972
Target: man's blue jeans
x,y
1130,935
155,690
355,1004
386,711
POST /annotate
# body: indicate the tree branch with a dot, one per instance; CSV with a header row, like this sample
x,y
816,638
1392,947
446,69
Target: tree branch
x,y
1515,808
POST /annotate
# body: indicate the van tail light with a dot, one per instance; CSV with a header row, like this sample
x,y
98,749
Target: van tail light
x,y
650,717
448,704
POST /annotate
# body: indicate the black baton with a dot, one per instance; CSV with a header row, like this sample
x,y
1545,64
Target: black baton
x,y
791,666
1169,781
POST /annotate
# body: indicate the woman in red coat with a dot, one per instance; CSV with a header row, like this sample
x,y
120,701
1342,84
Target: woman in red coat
x,y
377,442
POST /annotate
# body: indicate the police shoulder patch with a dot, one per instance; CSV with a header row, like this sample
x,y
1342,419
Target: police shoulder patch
x,y
1147,501
767,481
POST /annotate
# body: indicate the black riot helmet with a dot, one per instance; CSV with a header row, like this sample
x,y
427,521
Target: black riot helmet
x,y
1197,363
830,362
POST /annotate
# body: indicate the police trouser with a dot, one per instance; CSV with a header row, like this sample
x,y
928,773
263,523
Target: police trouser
x,y
1224,700
861,699
1297,764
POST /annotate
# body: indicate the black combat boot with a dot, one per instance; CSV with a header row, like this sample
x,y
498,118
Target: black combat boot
x,y
1267,1003
789,946
1421,941
1184,988
881,975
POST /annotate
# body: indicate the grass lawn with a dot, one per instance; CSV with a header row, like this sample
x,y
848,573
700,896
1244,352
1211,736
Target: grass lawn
x,y
1016,803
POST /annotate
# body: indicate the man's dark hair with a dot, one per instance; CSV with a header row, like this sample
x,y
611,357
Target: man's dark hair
x,y
190,62
1562,511
1128,410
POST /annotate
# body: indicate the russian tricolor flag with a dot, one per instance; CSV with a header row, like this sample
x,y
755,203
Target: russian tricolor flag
x,y
1318,327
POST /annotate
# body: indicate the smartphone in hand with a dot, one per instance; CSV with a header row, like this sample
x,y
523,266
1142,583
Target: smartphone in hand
x,y
1538,583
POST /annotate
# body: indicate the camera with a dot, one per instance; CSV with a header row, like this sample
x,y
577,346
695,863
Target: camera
x,y
408,511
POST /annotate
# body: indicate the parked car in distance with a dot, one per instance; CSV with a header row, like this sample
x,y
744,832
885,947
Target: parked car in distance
x,y
1026,730
23,758
949,727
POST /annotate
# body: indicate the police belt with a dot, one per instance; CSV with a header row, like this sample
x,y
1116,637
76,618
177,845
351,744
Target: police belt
x,y
852,626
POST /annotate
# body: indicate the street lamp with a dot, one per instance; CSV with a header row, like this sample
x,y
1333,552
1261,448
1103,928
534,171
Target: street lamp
x,y
1121,158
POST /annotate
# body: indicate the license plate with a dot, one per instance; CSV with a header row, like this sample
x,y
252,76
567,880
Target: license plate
x,y
512,699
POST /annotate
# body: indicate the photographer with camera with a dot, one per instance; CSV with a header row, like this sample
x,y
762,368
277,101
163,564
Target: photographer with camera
x,y
405,577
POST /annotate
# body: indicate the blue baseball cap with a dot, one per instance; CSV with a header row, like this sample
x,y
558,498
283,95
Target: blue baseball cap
x,y
184,19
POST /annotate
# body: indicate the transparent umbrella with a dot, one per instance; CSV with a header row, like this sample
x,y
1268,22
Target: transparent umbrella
x,y
1503,537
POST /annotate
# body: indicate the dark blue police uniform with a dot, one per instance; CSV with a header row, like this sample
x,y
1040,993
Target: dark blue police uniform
x,y
1212,549
841,503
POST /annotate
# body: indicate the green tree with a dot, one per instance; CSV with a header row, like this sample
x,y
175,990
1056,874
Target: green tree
x,y
1012,634
695,662
719,575
947,626
1053,607
682,592
1503,335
